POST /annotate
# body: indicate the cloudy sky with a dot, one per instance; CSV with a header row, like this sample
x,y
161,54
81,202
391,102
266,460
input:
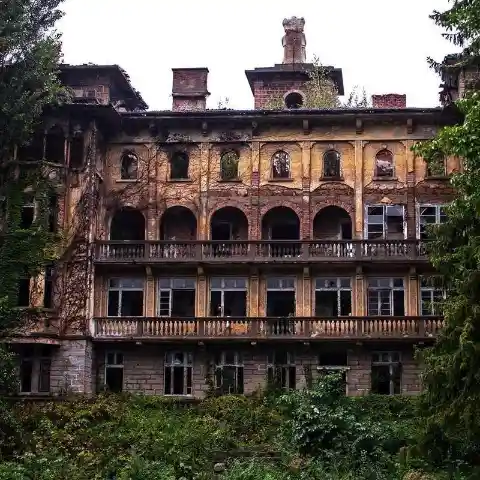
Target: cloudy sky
x,y
381,45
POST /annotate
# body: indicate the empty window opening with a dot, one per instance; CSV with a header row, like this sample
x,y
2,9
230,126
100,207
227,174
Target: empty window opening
x,y
178,223
23,299
229,165
334,361
55,145
228,297
27,213
386,373
331,164
222,231
48,288
179,164
53,213
280,165
430,215
129,166
114,372
127,224
176,297
33,151
125,297
26,370
432,295
35,369
281,303
228,368
437,167
386,222
333,297
386,296
384,167
178,374
281,223
76,151
281,370
332,223
294,100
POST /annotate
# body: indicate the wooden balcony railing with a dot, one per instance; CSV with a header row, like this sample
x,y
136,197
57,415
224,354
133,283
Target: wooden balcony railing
x,y
258,251
256,328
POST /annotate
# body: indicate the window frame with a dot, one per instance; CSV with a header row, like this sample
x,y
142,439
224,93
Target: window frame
x,y
431,290
376,171
391,363
286,370
223,289
185,157
161,289
120,291
438,215
36,358
187,365
114,365
392,288
337,288
385,217
223,155
126,156
338,175
273,175
237,365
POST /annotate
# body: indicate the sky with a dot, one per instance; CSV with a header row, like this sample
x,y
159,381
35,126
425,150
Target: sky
x,y
381,45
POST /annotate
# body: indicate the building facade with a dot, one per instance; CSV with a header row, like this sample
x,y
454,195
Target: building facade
x,y
228,249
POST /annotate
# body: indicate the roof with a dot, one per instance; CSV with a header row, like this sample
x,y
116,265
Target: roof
x,y
119,76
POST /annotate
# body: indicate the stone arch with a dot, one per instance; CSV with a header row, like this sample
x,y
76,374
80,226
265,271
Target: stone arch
x,y
178,223
127,223
332,223
228,223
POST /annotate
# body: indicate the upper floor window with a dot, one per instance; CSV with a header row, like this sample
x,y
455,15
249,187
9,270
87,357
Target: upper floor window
x,y
55,145
385,222
386,296
129,166
384,166
280,297
176,297
386,373
77,148
229,372
281,370
333,297
331,164
27,213
294,100
281,165
125,297
432,295
23,292
437,167
179,164
429,215
178,374
229,165
228,297
48,287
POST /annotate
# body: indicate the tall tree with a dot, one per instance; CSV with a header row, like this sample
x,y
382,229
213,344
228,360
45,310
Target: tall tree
x,y
451,399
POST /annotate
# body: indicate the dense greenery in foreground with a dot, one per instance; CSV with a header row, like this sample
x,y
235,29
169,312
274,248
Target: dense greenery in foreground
x,y
316,434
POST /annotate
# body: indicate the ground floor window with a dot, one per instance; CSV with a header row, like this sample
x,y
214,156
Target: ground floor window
x,y
386,373
114,371
281,370
229,372
334,361
178,373
35,369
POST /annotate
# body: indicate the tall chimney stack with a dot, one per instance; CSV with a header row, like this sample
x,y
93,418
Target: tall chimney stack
x,y
189,89
294,41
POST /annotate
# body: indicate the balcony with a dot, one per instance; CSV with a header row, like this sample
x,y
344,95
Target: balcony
x,y
266,328
262,251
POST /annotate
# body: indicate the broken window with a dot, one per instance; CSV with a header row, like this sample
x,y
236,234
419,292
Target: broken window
x,y
23,299
55,145
333,297
129,166
114,371
125,297
229,372
76,151
281,165
386,296
229,165
384,164
53,213
281,370
27,214
281,303
331,164
176,297
48,287
386,222
430,215
179,164
432,295
35,369
228,297
178,378
386,373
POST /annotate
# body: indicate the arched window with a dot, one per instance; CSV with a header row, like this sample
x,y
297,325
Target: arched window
x,y
294,100
384,164
331,164
229,165
281,165
179,164
129,166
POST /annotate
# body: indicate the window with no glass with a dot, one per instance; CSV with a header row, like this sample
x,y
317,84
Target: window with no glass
x,y
229,372
384,167
176,297
48,287
333,297
386,373
228,297
114,371
280,165
432,295
35,369
179,164
331,164
229,165
280,297
385,222
429,215
27,214
129,166
386,296
178,374
281,370
125,297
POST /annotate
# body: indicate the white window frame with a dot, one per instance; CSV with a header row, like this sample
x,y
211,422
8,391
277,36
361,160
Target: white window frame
x,y
186,365
222,289
336,288
121,289
384,216
164,289
438,207
431,293
392,288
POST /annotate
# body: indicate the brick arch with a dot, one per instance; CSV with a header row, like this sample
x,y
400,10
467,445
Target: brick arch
x,y
284,202
212,211
136,215
325,224
184,230
240,228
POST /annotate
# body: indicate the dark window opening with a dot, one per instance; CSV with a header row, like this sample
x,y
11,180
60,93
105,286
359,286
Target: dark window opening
x,y
55,146
386,373
222,231
127,224
294,100
53,213
281,370
178,223
48,289
76,151
386,296
281,223
228,297
125,298
176,297
26,375
45,367
129,166
281,165
35,370
229,166
179,164
23,292
333,297
331,164
27,214
384,164
32,152
178,378
114,372
280,304
333,358
229,373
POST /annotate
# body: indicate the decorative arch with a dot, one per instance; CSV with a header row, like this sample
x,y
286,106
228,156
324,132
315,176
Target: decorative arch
x,y
332,223
228,223
178,223
129,165
128,223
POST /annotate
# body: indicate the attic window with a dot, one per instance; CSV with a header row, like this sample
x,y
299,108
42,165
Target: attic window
x,y
294,100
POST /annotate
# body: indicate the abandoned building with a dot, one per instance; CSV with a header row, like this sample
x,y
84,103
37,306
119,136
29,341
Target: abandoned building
x,y
228,249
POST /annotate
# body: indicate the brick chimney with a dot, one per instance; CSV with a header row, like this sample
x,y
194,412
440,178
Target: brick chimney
x,y
390,100
294,41
189,89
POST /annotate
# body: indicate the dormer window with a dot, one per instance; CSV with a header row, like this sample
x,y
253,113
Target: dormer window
x,y
179,164
129,166
384,167
331,164
280,165
294,100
